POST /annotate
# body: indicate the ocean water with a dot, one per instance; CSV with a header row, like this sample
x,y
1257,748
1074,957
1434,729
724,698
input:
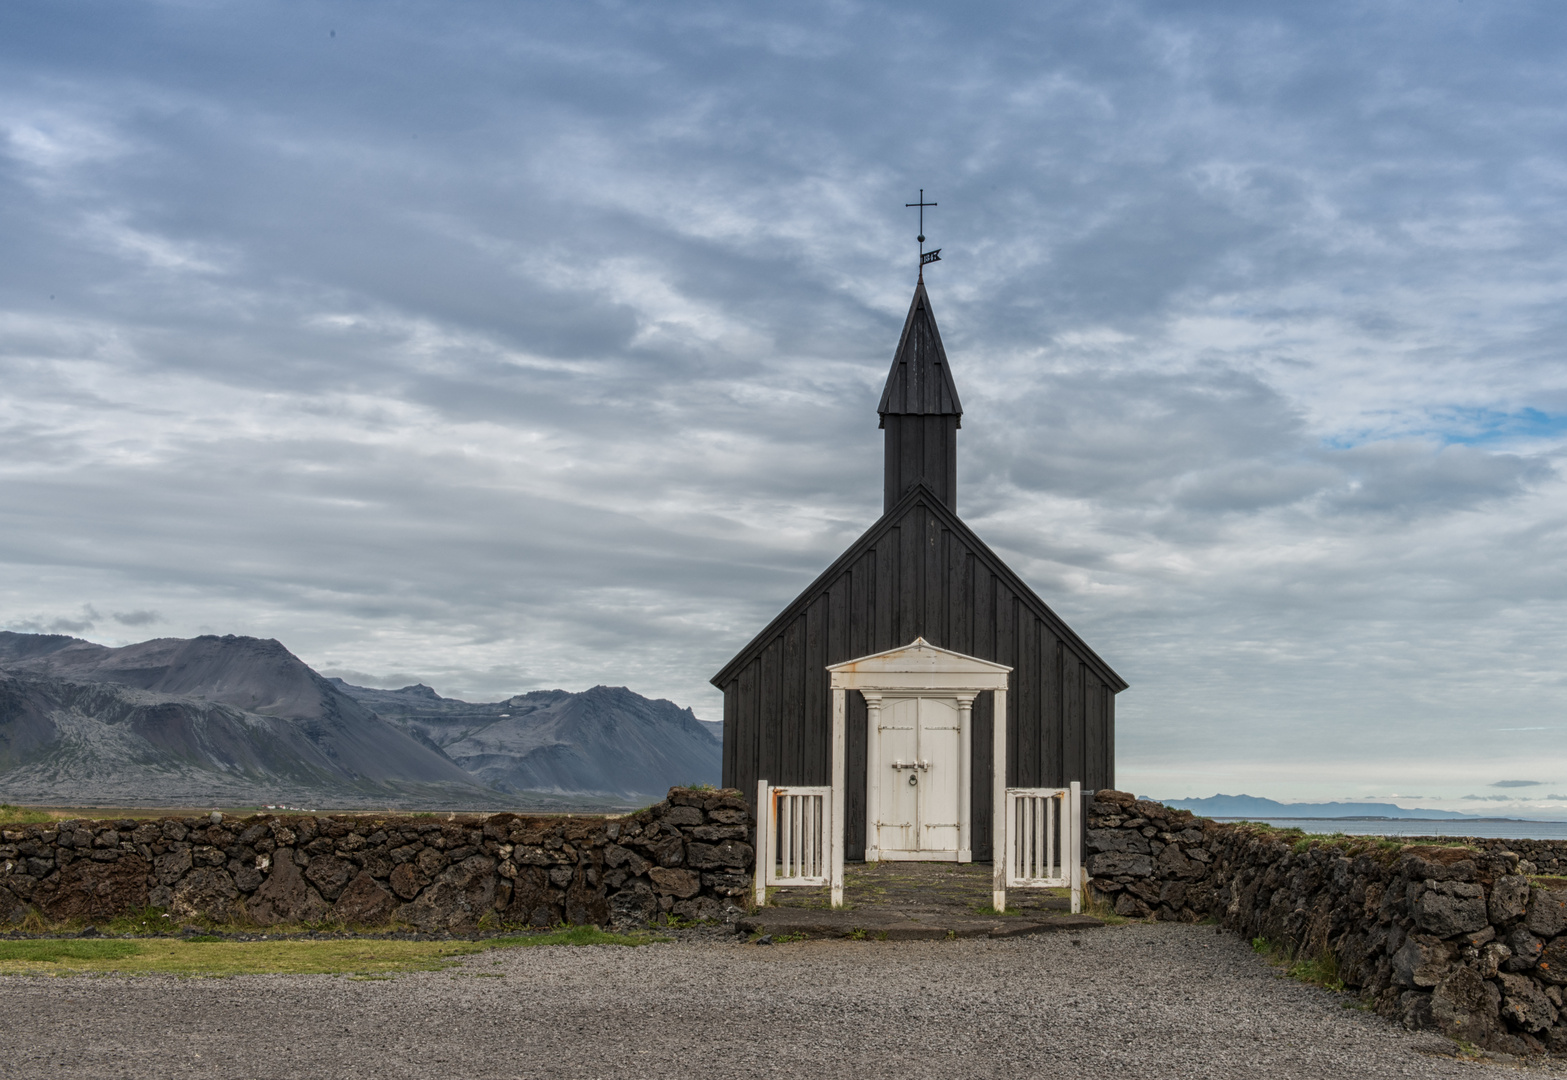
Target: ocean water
x,y
1488,827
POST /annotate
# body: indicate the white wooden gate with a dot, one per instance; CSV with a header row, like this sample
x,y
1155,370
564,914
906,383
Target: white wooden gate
x,y
794,838
1043,840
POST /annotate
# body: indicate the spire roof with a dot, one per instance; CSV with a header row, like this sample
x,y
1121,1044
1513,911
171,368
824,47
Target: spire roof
x,y
920,383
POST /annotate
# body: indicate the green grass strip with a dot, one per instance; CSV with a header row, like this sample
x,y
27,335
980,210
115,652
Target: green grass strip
x,y
54,951
210,956
18,815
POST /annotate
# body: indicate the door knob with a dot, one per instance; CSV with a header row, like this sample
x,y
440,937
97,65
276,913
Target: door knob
x,y
914,779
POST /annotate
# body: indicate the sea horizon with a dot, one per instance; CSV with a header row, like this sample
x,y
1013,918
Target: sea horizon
x,y
1480,828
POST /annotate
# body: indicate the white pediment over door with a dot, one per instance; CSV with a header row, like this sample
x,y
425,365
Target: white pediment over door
x,y
919,666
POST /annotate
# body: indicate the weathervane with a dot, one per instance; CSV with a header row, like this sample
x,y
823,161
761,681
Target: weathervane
x,y
926,257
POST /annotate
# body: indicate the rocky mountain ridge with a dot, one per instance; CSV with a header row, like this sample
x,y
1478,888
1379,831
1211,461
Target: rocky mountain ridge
x,y
607,740
242,721
208,719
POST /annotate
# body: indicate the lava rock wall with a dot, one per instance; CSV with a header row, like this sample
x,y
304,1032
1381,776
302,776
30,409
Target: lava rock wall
x,y
1465,936
687,856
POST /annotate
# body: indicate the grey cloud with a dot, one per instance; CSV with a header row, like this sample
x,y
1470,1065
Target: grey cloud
x,y
59,624
67,626
539,346
1519,783
1415,476
1155,246
1177,451
1141,437
139,617
1241,486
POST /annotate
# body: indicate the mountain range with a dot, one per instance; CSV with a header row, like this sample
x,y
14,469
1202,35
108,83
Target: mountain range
x,y
240,720
1252,806
606,740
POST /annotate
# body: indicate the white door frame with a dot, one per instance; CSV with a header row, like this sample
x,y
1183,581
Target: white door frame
x,y
921,669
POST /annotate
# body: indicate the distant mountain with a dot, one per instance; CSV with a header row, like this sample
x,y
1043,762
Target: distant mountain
x,y
608,740
249,673
210,719
239,720
1251,806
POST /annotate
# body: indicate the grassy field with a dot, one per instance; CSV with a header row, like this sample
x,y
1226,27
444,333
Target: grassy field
x,y
216,957
23,815
37,815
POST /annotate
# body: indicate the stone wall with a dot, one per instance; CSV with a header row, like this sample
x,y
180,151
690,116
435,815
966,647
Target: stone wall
x,y
687,856
1458,935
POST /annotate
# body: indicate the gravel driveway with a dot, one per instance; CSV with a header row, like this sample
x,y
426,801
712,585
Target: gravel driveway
x,y
1137,1000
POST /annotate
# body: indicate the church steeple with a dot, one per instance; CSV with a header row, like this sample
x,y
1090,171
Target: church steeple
x,y
920,411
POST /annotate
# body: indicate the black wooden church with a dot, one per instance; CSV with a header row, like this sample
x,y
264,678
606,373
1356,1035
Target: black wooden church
x,y
919,572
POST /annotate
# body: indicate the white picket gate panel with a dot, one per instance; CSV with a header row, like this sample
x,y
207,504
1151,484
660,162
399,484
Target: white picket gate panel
x,y
794,838
1044,839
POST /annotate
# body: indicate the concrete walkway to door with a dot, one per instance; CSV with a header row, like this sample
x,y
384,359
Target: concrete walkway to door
x,y
914,901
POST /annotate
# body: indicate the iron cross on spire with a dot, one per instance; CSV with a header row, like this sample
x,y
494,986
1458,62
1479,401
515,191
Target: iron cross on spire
x,y
934,256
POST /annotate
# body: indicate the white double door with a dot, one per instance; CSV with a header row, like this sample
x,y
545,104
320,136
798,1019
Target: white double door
x,y
916,797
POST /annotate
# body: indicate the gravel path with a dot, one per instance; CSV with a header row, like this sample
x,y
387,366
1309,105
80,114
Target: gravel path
x,y
1130,1001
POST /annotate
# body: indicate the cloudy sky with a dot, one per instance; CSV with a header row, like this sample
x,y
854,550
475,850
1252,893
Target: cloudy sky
x,y
514,346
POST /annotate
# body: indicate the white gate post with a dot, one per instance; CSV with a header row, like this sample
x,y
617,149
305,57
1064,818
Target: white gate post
x,y
764,840
840,797
1000,834
1075,844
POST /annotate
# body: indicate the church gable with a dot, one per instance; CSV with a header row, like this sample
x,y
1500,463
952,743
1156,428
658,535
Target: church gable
x,y
919,572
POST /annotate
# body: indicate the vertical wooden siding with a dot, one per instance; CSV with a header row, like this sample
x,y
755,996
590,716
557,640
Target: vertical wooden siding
x,y
920,450
919,580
